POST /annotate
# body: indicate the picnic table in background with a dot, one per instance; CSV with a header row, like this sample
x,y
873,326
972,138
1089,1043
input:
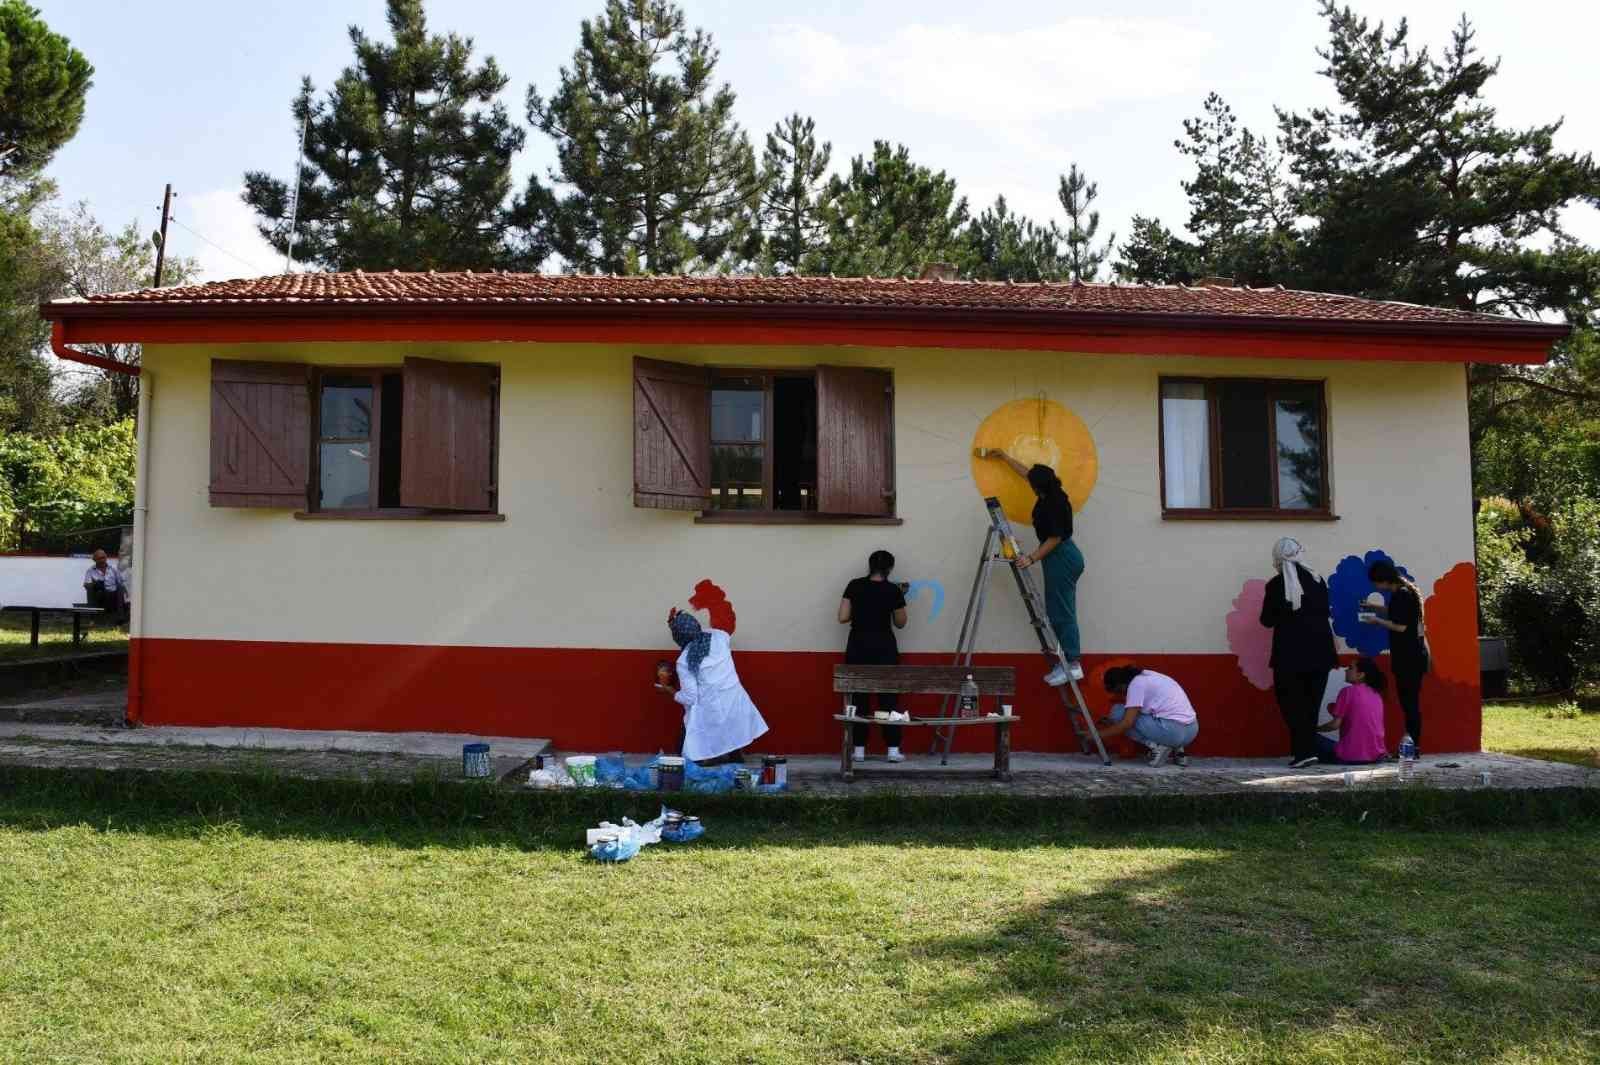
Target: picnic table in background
x,y
78,612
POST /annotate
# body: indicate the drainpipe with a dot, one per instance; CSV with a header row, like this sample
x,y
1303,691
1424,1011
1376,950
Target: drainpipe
x,y
58,344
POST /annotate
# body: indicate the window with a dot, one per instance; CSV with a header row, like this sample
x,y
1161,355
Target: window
x,y
413,440
1244,447
764,445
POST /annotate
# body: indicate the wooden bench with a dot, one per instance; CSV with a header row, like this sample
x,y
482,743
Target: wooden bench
x,y
928,680
78,614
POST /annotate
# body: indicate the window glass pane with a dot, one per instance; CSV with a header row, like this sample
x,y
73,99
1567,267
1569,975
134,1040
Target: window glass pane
x,y
794,443
346,475
736,477
736,414
346,410
1246,444
1186,444
1298,418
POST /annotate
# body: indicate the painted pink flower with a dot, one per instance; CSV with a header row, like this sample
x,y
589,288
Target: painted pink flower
x,y
1248,639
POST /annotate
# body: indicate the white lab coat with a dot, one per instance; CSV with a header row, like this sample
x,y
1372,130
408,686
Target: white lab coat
x,y
718,715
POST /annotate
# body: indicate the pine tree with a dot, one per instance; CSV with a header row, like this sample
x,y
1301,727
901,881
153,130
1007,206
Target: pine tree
x,y
661,177
1005,246
892,216
1153,254
794,175
43,82
407,161
1077,195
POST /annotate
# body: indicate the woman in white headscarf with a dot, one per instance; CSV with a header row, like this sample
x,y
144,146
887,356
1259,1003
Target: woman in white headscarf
x,y
1296,610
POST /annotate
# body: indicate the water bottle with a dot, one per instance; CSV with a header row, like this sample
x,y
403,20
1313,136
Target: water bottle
x,y
1408,756
969,697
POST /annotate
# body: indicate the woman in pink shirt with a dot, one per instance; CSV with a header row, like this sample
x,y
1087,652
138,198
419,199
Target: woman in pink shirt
x,y
1358,715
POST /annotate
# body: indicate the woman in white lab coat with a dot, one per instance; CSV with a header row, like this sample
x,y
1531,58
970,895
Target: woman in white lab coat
x,y
718,716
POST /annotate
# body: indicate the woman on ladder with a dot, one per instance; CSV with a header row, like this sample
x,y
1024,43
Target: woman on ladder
x,y
1063,562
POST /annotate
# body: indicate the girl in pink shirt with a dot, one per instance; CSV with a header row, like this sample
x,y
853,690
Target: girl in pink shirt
x,y
1358,715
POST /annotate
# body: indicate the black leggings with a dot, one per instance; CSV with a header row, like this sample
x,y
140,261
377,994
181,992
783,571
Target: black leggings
x,y
1298,695
1408,689
886,701
873,649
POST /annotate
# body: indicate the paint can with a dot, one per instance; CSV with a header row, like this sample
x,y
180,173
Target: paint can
x,y
474,759
1349,779
849,709
741,779
769,769
669,773
1484,777
781,770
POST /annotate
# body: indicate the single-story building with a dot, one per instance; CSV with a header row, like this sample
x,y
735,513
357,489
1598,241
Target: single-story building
x,y
464,502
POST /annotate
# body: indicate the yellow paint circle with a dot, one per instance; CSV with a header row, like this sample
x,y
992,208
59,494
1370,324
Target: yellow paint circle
x,y
1030,431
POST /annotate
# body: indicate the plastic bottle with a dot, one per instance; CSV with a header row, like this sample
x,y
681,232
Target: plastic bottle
x,y
1408,756
969,697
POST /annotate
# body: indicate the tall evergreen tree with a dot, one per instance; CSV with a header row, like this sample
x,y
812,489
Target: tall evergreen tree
x,y
1005,246
43,82
794,171
661,177
890,216
407,161
1077,195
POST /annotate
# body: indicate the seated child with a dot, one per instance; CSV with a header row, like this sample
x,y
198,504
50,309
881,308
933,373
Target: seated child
x,y
1358,715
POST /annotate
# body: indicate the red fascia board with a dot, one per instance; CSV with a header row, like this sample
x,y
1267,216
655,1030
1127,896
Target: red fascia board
x,y
1118,333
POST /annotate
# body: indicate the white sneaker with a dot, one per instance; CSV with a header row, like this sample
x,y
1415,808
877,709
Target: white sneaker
x,y
894,755
1158,756
1075,670
1056,677
858,755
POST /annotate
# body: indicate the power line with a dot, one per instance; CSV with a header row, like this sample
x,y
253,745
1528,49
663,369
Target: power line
x,y
194,232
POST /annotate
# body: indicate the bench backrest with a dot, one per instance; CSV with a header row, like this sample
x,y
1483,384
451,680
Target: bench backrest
x,y
933,680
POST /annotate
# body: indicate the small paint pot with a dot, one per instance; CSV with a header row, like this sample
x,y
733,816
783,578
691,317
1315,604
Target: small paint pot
x,y
669,773
850,710
769,769
1349,780
475,759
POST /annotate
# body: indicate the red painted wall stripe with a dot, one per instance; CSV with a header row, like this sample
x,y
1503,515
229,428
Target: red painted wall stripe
x,y
600,700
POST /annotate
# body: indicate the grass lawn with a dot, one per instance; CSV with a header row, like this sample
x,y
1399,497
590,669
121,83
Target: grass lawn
x,y
1557,732
149,918
55,638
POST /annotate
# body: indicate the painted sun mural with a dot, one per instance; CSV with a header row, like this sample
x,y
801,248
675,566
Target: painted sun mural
x,y
1036,430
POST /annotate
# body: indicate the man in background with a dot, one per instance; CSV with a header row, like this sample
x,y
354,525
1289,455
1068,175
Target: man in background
x,y
103,586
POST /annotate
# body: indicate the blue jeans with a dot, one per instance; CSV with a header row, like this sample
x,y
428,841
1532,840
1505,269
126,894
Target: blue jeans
x,y
1156,731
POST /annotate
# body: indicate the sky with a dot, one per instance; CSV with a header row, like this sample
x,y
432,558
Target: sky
x,y
1002,96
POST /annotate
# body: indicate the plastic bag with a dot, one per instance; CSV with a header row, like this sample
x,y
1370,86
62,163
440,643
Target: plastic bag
x,y
609,769
620,849
714,780
640,777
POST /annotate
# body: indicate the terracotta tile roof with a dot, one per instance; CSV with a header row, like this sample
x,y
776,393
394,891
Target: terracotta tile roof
x,y
468,289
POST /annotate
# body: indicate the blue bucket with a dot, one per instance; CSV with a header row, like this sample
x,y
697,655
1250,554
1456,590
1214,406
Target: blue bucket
x,y
475,759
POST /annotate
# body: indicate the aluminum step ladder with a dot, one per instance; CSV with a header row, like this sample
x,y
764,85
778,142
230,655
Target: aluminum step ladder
x,y
1000,549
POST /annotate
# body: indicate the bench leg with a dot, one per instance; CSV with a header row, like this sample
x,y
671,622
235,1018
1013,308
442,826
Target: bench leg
x,y
1002,753
846,750
33,630
77,629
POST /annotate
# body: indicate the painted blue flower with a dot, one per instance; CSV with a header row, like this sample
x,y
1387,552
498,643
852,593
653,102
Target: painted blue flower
x,y
1348,588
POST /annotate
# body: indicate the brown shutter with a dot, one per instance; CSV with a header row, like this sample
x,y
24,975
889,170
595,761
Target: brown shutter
x,y
671,435
447,435
260,433
855,441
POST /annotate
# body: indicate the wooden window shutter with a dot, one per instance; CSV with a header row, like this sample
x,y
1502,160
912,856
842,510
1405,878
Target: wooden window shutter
x,y
260,434
447,435
855,441
671,435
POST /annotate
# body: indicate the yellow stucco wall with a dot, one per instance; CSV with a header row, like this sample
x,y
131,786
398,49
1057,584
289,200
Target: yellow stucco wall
x,y
576,564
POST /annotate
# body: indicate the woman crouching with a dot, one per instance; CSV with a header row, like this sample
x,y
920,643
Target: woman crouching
x,y
718,716
1153,710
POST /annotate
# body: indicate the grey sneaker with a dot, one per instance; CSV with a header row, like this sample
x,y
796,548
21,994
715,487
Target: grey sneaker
x,y
1075,670
1180,756
1158,756
1056,677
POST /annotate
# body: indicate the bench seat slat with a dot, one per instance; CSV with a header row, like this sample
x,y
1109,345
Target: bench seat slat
x,y
930,680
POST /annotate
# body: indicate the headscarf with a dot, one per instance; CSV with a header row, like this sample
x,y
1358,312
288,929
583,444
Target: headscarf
x,y
687,633
1286,557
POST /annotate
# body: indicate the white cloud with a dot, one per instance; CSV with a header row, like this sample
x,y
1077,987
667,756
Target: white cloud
x,y
218,230
1002,78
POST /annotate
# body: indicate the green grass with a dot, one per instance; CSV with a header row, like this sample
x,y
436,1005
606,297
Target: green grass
x,y
1558,731
189,917
55,638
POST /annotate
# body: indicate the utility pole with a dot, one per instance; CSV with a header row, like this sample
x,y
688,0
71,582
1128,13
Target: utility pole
x,y
161,238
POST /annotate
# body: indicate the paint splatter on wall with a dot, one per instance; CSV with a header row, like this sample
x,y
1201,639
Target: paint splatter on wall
x,y
1032,431
1348,588
714,601
1248,639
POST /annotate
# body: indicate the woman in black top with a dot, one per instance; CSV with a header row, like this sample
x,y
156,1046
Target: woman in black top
x,y
1063,562
871,605
1408,640
1295,608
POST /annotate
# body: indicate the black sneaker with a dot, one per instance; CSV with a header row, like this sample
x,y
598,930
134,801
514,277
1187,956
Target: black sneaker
x,y
1180,756
1301,763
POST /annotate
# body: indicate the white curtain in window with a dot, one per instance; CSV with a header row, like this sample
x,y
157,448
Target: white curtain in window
x,y
1186,445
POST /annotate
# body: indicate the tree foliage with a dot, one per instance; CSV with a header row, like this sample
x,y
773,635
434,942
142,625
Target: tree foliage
x,y
1002,245
1077,195
55,483
794,178
43,83
407,161
889,216
660,177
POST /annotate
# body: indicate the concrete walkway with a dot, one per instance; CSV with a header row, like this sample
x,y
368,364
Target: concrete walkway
x,y
402,755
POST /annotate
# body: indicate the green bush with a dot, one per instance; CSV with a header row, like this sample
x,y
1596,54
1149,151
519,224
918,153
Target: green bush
x,y
81,477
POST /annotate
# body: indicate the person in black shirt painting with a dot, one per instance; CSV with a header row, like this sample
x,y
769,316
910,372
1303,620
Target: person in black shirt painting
x,y
874,607
1408,640
1295,608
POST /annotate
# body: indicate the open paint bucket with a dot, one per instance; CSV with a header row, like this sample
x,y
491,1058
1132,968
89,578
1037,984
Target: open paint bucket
x,y
669,772
475,759
580,767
